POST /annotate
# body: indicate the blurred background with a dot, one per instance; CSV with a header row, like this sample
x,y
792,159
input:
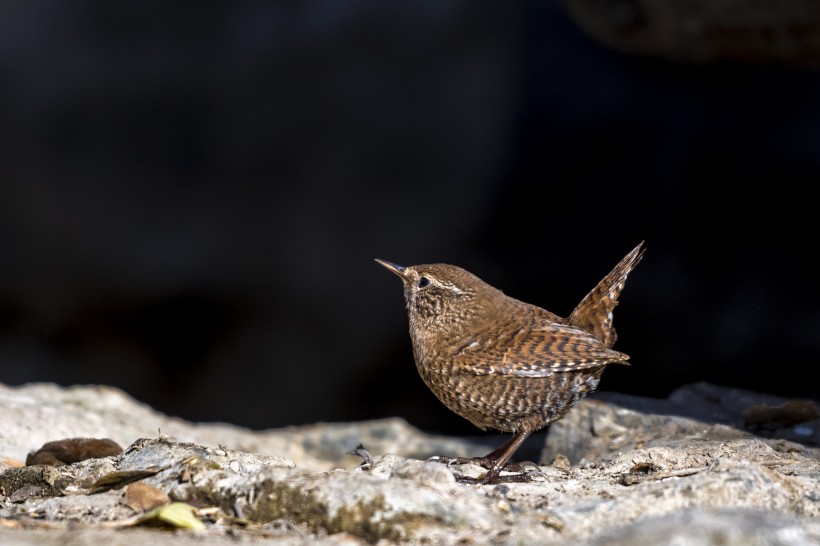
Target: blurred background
x,y
191,198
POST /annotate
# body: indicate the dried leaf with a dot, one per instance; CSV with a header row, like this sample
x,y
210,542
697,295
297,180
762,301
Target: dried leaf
x,y
793,412
141,497
72,450
120,478
176,514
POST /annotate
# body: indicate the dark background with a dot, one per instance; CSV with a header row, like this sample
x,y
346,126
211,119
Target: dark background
x,y
191,199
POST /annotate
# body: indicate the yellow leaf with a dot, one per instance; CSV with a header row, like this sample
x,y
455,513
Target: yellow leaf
x,y
176,514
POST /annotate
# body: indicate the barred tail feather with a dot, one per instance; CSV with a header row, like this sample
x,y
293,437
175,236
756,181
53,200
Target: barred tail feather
x,y
594,313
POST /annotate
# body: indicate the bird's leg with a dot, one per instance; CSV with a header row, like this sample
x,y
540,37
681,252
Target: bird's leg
x,y
497,460
494,461
505,450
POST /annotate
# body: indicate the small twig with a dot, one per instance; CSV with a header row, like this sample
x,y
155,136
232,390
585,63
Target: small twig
x,y
634,479
776,462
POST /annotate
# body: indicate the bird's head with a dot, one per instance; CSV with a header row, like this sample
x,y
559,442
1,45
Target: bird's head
x,y
439,296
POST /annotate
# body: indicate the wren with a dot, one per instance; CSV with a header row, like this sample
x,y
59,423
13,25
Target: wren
x,y
504,364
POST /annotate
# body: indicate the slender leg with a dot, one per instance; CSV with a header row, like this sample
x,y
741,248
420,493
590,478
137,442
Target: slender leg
x,y
503,454
493,455
507,450
494,461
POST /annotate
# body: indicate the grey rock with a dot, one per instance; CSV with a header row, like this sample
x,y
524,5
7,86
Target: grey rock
x,y
627,471
614,422
41,412
725,527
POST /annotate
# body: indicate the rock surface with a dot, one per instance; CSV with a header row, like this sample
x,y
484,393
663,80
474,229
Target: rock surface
x,y
617,470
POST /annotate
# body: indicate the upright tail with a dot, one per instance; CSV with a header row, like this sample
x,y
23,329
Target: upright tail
x,y
594,313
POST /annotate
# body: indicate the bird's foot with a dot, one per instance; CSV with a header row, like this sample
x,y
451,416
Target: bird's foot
x,y
493,475
484,462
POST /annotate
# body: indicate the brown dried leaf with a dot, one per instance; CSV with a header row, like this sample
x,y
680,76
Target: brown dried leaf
x,y
793,412
141,497
72,450
120,478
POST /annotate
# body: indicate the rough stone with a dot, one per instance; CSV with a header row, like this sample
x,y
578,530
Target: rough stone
x,y
38,413
627,471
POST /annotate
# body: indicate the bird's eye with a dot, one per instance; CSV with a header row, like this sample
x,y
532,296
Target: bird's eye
x,y
424,281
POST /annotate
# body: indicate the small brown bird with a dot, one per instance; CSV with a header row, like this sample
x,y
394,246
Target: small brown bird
x,y
504,364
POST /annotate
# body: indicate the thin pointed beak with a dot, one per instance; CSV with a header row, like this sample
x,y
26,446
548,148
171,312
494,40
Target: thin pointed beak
x,y
397,269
